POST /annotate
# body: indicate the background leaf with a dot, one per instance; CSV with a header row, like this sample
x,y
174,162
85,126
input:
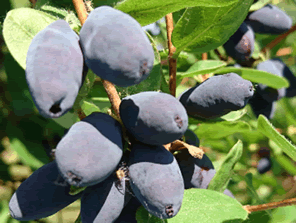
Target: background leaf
x,y
205,28
20,27
146,12
220,180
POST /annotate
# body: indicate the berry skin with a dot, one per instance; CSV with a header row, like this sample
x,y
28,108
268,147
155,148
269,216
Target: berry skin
x,y
269,20
90,151
191,138
43,194
194,169
103,202
287,73
54,69
116,47
156,180
217,96
197,173
128,214
240,45
270,94
264,165
154,118
261,106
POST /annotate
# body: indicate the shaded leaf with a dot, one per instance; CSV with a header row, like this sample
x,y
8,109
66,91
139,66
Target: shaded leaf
x,y
220,180
143,216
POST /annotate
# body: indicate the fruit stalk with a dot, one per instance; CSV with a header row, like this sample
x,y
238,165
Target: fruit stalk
x,y
172,49
277,40
262,207
109,87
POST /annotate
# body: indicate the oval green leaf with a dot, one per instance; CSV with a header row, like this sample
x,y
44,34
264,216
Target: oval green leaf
x,y
203,67
207,206
257,76
19,28
146,12
206,27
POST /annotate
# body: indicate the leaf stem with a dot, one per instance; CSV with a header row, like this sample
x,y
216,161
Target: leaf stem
x,y
262,207
109,87
172,49
277,40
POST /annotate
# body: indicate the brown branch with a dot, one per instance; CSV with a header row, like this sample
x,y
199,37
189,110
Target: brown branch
x,y
204,56
172,49
109,87
277,40
33,3
263,207
112,95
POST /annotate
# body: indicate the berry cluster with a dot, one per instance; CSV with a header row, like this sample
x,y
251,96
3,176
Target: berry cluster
x,y
240,46
92,153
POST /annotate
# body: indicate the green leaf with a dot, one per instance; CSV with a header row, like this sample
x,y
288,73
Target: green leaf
x,y
220,180
204,28
88,108
26,157
207,206
265,127
284,215
143,216
19,28
203,67
234,115
67,120
257,76
146,12
4,211
286,163
249,181
259,5
221,129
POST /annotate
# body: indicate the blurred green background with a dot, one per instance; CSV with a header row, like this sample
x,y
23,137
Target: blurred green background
x,y
27,138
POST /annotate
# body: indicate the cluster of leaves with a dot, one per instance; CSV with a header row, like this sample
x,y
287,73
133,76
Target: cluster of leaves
x,y
232,141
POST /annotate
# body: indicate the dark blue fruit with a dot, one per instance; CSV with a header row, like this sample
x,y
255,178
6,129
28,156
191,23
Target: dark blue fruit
x,y
154,118
191,138
269,20
90,151
264,165
194,169
103,202
270,94
197,173
116,47
156,180
240,45
287,73
128,214
261,106
217,96
54,69
43,194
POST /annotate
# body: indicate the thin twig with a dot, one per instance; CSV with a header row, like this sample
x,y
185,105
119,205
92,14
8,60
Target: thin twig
x,y
33,3
109,87
262,207
172,49
204,56
277,40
